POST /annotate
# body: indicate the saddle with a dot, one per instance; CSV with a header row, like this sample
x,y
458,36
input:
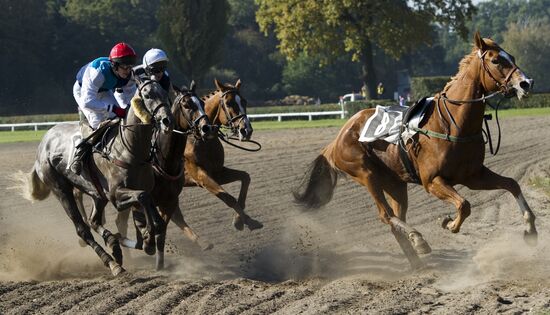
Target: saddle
x,y
96,143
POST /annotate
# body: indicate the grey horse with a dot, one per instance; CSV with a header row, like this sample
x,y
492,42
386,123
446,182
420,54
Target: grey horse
x,y
168,165
123,175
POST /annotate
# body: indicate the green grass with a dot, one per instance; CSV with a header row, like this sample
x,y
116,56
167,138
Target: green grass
x,y
31,135
516,112
21,136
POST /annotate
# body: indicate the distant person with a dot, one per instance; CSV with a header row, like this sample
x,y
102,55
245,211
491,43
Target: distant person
x,y
103,90
154,67
380,90
401,100
364,91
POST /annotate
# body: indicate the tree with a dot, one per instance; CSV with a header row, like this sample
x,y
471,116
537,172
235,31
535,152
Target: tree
x,y
530,44
192,32
132,21
331,28
492,20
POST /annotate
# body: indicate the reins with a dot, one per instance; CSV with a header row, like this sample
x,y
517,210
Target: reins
x,y
231,121
225,138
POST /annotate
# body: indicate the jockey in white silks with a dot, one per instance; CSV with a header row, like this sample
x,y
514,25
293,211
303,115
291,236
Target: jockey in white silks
x,y
103,90
155,62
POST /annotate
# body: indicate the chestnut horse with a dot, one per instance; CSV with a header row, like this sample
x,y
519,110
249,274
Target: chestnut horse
x,y
446,151
204,160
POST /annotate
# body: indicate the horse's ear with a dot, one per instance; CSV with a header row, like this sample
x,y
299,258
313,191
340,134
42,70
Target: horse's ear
x,y
219,85
139,110
192,86
480,44
176,88
238,84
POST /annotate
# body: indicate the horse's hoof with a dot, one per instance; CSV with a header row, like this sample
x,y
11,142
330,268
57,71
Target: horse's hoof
x,y
116,269
208,246
530,238
238,223
418,243
446,221
253,224
82,243
149,250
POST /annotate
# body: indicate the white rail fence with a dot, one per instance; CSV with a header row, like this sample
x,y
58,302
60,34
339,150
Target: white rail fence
x,y
279,116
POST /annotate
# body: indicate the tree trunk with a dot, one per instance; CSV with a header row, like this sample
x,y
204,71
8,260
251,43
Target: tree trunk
x,y
368,74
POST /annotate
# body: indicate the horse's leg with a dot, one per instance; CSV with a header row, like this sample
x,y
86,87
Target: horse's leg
x,y
442,190
97,219
177,218
78,197
228,175
374,184
396,192
488,180
203,179
64,194
143,202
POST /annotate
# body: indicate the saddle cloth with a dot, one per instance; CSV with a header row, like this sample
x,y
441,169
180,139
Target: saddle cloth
x,y
386,122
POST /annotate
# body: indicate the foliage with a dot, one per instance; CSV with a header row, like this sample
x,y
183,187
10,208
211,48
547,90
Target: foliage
x,y
304,76
329,29
192,32
427,86
492,19
132,21
529,42
533,101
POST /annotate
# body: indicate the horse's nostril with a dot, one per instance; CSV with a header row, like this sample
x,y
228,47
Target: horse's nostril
x,y
205,129
166,122
525,85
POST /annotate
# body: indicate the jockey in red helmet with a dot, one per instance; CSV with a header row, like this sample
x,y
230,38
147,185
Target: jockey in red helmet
x,y
103,90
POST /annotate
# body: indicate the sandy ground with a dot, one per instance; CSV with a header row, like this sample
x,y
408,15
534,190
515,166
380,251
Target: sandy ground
x,y
339,259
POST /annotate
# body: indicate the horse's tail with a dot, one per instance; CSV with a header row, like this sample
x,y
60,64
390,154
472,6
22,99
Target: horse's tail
x,y
31,186
318,183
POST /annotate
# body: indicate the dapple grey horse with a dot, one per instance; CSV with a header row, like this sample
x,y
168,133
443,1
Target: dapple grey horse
x,y
123,175
169,168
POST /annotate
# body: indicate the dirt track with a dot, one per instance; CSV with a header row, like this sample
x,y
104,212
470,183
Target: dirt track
x,y
340,259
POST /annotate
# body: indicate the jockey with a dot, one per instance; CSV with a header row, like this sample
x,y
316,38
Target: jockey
x,y
155,62
103,90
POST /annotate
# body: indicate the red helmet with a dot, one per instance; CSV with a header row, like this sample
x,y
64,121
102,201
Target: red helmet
x,y
124,54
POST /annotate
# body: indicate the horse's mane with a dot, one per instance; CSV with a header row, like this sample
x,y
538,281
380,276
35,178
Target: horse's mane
x,y
464,64
229,86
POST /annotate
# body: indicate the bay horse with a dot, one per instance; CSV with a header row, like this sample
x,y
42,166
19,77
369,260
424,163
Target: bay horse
x,y
447,150
121,175
190,119
204,160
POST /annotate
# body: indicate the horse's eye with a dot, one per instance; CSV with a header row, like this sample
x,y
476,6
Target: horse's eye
x,y
496,60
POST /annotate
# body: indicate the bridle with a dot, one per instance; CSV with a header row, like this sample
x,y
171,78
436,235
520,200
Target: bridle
x,y
157,158
503,88
232,122
193,125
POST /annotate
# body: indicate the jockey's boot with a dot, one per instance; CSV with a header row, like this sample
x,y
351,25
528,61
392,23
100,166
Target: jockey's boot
x,y
81,150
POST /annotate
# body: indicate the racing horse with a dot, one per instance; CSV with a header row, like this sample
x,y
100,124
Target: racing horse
x,y
121,175
447,150
167,161
204,160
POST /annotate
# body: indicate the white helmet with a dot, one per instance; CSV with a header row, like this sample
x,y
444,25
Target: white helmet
x,y
153,56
